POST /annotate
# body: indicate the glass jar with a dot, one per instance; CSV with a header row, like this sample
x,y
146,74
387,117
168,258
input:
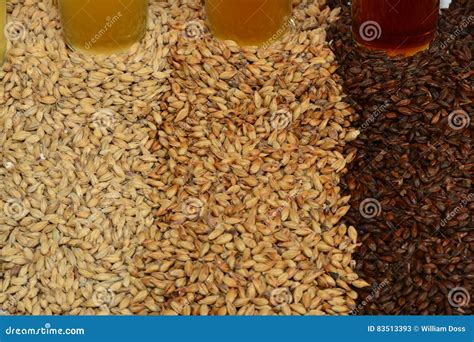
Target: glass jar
x,y
103,26
249,22
3,22
396,26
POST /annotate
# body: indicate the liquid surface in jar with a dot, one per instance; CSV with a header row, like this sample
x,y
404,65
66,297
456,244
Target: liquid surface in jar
x,y
103,26
397,26
249,22
3,22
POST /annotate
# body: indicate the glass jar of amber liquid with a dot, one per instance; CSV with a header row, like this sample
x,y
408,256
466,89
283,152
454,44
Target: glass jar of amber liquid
x,y
103,26
249,22
402,27
3,22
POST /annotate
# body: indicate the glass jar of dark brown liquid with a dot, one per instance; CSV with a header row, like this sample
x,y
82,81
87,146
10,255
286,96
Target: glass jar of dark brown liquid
x,y
396,26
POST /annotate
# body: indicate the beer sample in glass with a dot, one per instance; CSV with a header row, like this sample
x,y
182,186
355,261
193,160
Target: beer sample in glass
x,y
249,22
402,27
103,26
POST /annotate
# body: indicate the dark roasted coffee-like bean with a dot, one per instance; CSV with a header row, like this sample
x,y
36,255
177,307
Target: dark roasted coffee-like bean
x,y
415,159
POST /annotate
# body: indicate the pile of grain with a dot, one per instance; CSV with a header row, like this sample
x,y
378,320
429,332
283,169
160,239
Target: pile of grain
x,y
411,182
187,177
249,147
74,202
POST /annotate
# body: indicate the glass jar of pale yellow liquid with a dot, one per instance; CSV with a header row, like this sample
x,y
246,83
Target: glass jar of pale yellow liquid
x,y
3,22
103,26
249,22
